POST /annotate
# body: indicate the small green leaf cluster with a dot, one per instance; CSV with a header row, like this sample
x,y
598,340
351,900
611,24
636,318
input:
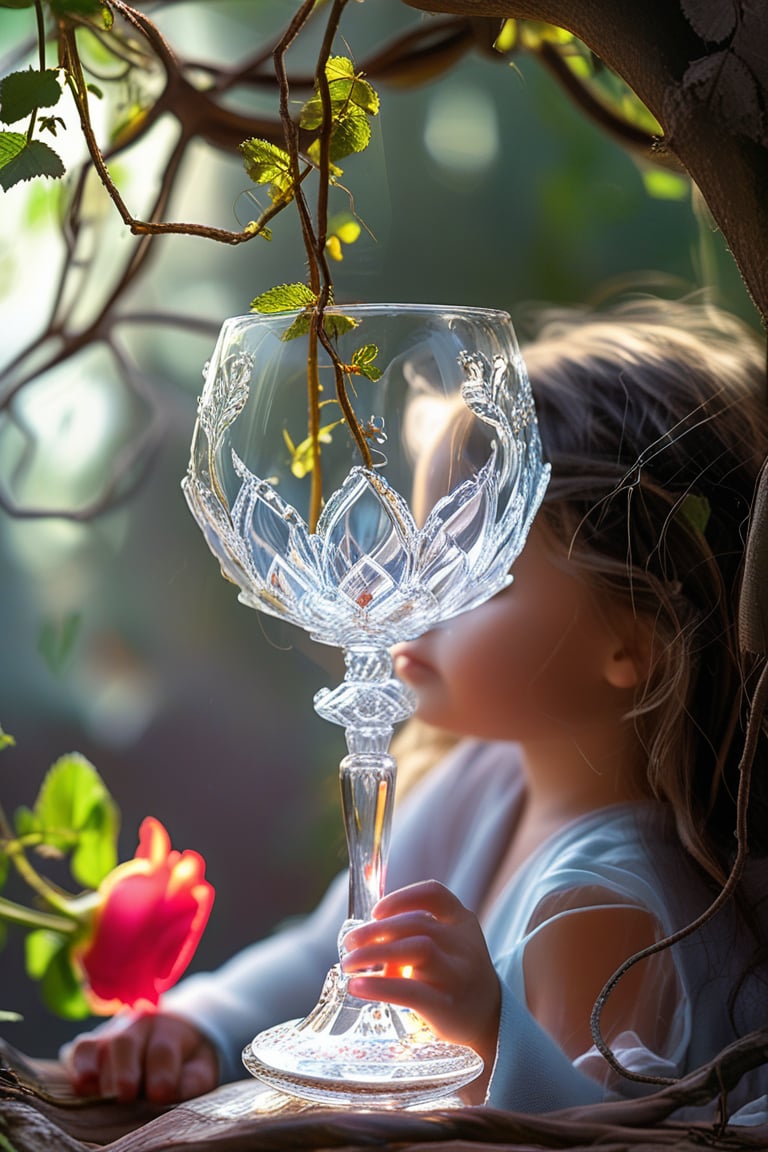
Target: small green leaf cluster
x,y
302,455
299,298
267,163
73,817
48,960
22,95
352,104
362,362
25,94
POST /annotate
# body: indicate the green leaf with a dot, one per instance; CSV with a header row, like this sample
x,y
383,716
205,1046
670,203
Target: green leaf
x,y
266,163
353,101
338,70
336,324
363,361
6,740
22,92
75,812
284,298
664,185
365,355
17,3
313,153
345,226
694,511
334,248
12,144
21,159
351,133
507,37
48,960
57,639
50,124
299,327
303,454
346,89
24,820
40,948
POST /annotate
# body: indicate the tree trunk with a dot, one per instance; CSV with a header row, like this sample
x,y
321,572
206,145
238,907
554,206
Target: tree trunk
x,y
701,67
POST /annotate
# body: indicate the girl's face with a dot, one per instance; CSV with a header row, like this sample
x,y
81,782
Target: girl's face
x,y
536,662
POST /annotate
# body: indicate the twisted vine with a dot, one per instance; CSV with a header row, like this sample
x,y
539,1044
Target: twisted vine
x,y
418,55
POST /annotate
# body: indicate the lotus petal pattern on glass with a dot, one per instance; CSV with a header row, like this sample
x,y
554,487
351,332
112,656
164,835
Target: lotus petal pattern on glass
x,y
369,571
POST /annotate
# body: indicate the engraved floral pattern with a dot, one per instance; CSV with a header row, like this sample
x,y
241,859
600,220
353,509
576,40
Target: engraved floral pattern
x,y
369,572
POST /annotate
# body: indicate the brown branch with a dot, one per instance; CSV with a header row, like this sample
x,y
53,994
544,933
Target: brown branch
x,y
630,136
421,54
206,122
41,1113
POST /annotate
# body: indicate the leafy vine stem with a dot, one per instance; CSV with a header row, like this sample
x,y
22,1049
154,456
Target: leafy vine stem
x,y
315,237
190,93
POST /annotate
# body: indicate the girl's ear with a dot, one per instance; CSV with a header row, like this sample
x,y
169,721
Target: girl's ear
x,y
621,669
628,659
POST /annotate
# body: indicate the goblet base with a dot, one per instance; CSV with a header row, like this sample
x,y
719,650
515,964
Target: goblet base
x,y
351,1052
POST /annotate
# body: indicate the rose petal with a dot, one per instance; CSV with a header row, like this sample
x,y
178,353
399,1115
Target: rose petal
x,y
154,910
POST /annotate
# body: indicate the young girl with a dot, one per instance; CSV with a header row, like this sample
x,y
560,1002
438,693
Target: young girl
x,y
587,809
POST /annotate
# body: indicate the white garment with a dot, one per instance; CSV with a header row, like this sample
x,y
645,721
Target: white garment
x,y
454,827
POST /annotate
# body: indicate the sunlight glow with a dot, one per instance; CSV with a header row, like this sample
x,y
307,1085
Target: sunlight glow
x,y
462,129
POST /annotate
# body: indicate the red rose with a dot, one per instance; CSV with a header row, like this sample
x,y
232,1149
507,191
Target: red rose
x,y
152,913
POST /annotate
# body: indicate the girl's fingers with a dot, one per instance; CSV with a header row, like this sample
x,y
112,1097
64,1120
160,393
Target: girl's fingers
x,y
429,896
99,1065
177,1059
162,1067
391,956
81,1059
400,926
199,1075
429,1002
164,1055
120,1072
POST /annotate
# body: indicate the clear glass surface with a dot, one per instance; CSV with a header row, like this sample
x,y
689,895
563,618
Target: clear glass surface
x,y
421,524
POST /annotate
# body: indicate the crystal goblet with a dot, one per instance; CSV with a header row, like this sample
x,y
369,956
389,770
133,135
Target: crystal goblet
x,y
405,503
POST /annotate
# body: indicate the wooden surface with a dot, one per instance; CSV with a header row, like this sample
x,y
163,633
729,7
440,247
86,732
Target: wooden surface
x,y
38,1113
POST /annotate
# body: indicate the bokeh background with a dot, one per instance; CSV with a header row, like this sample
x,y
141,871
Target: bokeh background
x,y
118,637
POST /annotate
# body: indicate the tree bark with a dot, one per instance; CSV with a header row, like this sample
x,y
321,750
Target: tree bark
x,y
40,1113
701,67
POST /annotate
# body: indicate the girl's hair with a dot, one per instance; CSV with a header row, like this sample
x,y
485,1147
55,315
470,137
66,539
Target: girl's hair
x,y
654,419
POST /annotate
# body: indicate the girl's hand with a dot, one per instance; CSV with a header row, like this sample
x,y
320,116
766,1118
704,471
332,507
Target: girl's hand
x,y
163,1056
430,955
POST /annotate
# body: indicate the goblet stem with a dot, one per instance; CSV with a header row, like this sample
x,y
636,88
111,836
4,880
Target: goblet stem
x,y
367,794
368,703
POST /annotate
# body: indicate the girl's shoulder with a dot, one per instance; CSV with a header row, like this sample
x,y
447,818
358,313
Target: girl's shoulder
x,y
624,854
